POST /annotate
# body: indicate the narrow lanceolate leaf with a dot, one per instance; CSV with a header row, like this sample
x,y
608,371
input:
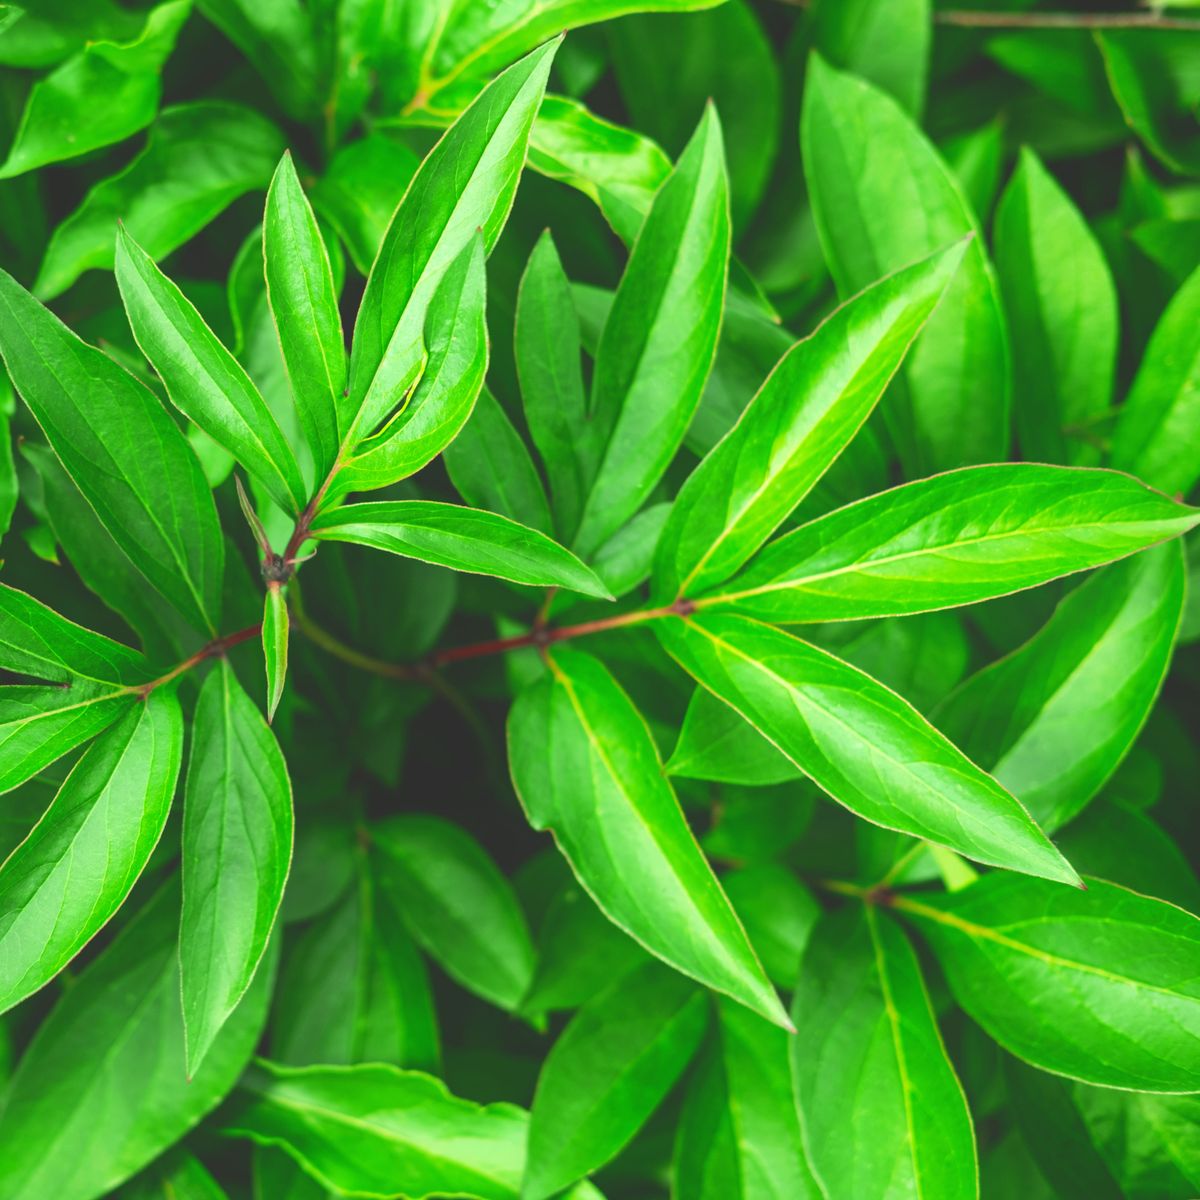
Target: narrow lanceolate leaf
x,y
74,870
882,1111
1054,719
739,1136
859,741
456,361
1158,434
586,768
102,1089
275,629
36,641
125,454
457,904
304,304
205,382
466,183
660,337
1101,985
882,198
237,846
611,1068
465,539
1062,312
953,539
550,367
379,1131
810,407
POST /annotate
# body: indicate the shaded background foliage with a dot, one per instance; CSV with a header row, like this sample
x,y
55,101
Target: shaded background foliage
x,y
1073,151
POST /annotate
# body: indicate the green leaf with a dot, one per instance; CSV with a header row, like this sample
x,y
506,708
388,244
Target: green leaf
x,y
72,873
304,305
491,467
357,194
882,1111
883,198
102,1089
464,539
548,356
466,183
885,42
178,1176
809,409
199,158
718,744
381,1131
738,1135
40,724
1062,310
237,846
457,905
275,628
204,381
777,910
354,988
1158,432
62,118
456,361
659,339
617,168
860,742
586,768
606,1074
36,641
1098,985
1053,720
123,452
953,539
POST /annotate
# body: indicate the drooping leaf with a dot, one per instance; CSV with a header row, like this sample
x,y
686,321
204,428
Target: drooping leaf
x,y
952,539
1053,720
882,1111
1157,436
102,1089
1062,311
1099,985
811,406
457,904
123,452
204,381
304,305
586,768
237,846
456,360
198,159
465,539
606,1074
883,198
74,870
739,1137
860,742
62,119
659,340
466,183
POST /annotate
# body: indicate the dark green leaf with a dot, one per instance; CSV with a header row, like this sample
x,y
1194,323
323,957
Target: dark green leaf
x,y
612,1066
